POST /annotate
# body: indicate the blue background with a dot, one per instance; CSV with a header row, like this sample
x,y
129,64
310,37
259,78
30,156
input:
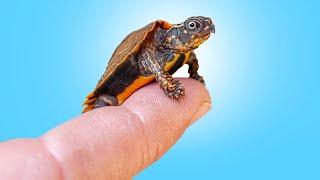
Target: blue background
x,y
261,68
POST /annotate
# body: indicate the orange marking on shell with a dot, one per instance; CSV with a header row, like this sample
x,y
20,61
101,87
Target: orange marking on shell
x,y
90,99
88,108
137,84
91,95
165,24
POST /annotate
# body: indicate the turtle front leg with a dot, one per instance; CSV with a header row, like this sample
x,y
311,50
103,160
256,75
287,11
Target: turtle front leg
x,y
171,87
193,68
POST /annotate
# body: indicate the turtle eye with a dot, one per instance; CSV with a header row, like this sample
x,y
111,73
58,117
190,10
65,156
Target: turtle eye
x,y
192,25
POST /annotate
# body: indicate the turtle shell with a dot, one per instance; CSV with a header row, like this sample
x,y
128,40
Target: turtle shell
x,y
130,45
120,59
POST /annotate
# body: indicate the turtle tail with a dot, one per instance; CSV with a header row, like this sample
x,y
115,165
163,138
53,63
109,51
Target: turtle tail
x,y
88,103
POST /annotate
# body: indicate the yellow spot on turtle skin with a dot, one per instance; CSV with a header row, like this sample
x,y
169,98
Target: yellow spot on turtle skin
x,y
169,64
186,58
143,80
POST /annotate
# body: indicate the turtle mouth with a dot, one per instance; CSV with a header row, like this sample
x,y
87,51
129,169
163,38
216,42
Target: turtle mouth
x,y
207,31
205,36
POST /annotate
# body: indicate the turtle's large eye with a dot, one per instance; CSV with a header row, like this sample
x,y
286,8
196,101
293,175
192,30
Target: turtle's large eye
x,y
193,24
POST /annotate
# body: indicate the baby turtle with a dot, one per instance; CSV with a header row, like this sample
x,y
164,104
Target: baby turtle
x,y
155,51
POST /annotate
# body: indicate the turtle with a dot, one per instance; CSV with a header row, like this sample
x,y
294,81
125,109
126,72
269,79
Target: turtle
x,y
153,52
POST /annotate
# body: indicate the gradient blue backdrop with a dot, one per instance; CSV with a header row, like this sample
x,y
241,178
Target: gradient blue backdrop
x,y
261,68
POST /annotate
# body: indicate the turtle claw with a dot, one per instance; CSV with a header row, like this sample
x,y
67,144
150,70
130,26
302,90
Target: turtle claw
x,y
176,92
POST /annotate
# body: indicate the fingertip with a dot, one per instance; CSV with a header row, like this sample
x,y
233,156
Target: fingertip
x,y
165,119
118,142
151,103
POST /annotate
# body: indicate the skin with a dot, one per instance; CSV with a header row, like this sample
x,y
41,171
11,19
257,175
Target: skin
x,y
107,143
160,48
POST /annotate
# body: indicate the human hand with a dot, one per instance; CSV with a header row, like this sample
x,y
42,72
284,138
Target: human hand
x,y
113,142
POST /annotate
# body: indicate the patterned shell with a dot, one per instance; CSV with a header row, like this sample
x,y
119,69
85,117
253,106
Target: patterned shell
x,y
131,44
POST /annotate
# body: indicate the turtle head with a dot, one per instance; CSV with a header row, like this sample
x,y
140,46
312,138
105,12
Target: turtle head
x,y
189,35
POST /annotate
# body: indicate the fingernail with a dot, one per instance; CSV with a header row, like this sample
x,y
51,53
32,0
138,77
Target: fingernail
x,y
203,109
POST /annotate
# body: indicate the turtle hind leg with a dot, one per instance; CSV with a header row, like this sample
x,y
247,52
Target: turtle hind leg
x,y
105,100
193,68
100,101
